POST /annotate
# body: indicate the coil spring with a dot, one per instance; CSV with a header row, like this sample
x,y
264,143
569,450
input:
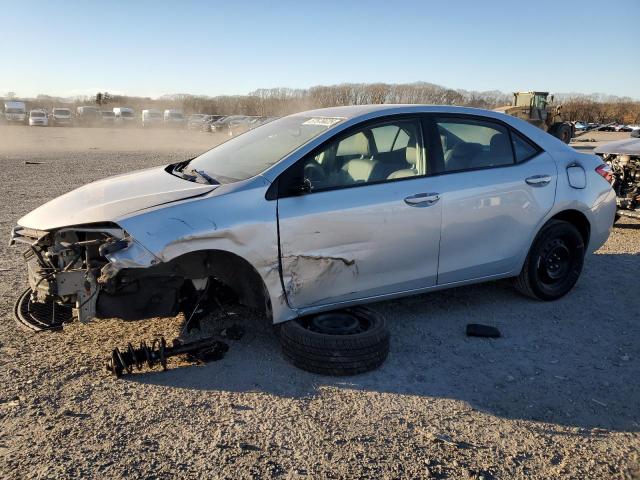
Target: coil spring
x,y
138,357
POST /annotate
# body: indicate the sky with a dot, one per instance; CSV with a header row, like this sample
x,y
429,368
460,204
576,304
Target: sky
x,y
151,48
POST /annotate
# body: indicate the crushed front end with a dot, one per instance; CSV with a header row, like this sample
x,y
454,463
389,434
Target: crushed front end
x,y
79,268
626,181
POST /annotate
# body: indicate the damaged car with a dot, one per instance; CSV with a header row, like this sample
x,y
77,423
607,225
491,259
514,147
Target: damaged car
x,y
311,216
623,158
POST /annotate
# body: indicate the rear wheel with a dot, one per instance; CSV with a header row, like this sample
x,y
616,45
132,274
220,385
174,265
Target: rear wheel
x,y
344,342
554,263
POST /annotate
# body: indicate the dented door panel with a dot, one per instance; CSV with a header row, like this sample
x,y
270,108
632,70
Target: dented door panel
x,y
358,242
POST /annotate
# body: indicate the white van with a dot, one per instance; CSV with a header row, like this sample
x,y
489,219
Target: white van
x,y
60,116
174,118
38,117
151,117
124,115
15,112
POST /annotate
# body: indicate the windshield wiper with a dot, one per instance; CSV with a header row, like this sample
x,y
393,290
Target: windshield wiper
x,y
199,174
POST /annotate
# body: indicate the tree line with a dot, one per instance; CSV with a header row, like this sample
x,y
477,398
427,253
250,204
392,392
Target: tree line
x,y
283,101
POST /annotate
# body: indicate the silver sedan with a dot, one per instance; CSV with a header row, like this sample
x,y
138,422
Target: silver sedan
x,y
322,211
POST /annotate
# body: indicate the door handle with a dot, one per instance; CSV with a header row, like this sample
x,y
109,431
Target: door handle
x,y
538,180
422,199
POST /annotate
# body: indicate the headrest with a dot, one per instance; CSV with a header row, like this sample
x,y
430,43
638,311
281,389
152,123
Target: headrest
x,y
500,144
411,155
354,145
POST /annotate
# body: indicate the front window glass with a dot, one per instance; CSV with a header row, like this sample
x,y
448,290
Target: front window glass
x,y
253,152
14,110
61,111
371,155
37,114
470,144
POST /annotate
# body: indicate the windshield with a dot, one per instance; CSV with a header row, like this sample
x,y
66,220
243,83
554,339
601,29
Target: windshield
x,y
14,110
37,114
253,152
175,115
126,113
61,111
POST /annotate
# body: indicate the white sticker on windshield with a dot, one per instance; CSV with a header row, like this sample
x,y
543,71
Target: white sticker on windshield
x,y
323,121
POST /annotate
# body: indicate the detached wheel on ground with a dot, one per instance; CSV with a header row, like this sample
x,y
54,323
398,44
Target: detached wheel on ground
x,y
554,263
344,342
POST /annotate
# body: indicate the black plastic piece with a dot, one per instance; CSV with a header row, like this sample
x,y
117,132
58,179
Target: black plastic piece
x,y
479,330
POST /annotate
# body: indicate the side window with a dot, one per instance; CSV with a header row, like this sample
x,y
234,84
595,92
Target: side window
x,y
522,148
373,154
470,144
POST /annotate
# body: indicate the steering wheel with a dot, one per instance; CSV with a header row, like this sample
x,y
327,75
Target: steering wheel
x,y
314,172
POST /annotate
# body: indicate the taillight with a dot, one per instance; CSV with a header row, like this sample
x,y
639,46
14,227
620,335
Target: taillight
x,y
605,172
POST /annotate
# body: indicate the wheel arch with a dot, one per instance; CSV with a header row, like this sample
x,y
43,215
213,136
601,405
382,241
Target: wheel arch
x,y
578,220
231,269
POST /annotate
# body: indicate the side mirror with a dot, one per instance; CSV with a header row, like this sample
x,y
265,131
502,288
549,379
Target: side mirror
x,y
635,133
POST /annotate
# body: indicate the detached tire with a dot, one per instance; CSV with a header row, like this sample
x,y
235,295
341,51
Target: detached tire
x,y
554,262
344,342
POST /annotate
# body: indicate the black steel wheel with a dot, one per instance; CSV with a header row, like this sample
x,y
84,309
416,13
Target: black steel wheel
x,y
344,342
39,316
554,263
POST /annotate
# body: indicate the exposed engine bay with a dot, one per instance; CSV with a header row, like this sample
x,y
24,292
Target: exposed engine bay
x,y
626,181
92,270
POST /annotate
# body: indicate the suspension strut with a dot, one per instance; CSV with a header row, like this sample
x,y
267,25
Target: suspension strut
x,y
205,349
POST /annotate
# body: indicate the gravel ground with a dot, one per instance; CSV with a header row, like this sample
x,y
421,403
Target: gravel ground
x,y
557,397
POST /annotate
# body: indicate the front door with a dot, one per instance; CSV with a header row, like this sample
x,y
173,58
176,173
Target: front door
x,y
369,221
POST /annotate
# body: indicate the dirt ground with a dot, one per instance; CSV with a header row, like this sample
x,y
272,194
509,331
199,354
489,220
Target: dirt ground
x,y
558,396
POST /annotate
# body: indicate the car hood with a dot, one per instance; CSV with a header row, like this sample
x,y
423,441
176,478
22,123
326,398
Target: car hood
x,y
112,198
629,146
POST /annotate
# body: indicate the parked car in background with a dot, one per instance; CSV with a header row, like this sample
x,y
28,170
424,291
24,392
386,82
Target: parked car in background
x,y
124,115
150,117
88,116
60,116
38,117
173,118
240,125
194,121
108,117
15,112
326,210
209,121
222,125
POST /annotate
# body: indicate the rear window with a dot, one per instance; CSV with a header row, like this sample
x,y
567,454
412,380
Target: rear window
x,y
468,144
523,149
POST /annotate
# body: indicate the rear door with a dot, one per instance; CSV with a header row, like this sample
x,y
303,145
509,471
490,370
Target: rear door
x,y
366,224
496,187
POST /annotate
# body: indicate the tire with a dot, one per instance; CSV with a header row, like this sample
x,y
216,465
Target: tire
x,y
562,131
336,353
554,262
